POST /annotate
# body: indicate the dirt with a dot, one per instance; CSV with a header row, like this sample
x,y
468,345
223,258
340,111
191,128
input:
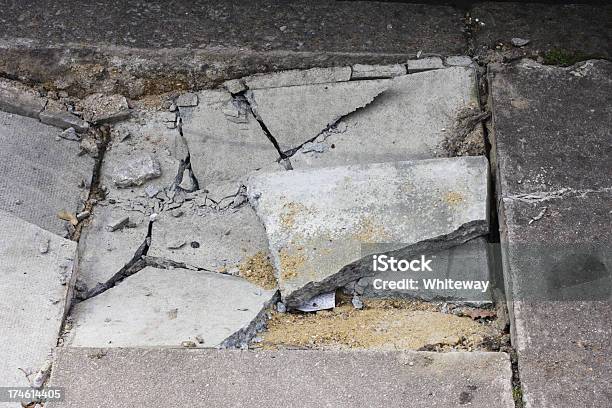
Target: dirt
x,y
259,270
381,325
466,137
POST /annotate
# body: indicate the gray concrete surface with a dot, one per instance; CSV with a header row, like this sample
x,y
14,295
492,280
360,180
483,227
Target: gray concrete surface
x,y
225,141
217,240
298,77
572,29
297,378
296,114
34,294
41,174
167,307
551,147
317,221
410,120
212,41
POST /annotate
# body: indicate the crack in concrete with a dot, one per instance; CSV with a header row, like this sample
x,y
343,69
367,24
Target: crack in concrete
x,y
253,109
186,163
542,196
362,267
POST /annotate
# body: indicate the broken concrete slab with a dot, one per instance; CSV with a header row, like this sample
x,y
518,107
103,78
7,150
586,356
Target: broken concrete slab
x,y
220,240
35,294
63,120
295,115
317,229
411,120
168,307
104,251
225,141
188,99
545,26
41,174
554,213
458,61
424,64
298,77
171,377
362,71
464,263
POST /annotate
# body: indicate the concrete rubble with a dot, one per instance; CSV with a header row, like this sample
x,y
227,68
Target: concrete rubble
x,y
410,120
100,109
317,231
35,294
168,307
41,174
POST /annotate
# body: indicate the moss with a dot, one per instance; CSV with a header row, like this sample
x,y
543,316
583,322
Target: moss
x,y
565,58
517,394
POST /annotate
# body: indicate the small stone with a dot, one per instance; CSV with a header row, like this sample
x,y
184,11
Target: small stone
x,y
199,339
187,99
173,108
176,244
70,134
82,215
281,308
153,217
235,86
118,224
187,183
136,170
43,248
188,344
177,212
519,42
357,302
151,191
283,28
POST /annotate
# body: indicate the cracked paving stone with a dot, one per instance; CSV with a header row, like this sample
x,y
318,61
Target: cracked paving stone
x,y
34,295
216,240
315,229
408,121
172,377
225,141
167,307
103,252
40,175
296,114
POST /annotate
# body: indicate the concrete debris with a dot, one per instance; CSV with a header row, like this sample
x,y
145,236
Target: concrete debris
x,y
294,115
319,232
237,111
135,171
187,183
235,86
70,134
151,191
459,61
20,100
89,146
357,302
41,375
117,224
99,108
166,307
187,100
64,120
519,42
281,308
361,71
424,64
43,248
83,215
298,77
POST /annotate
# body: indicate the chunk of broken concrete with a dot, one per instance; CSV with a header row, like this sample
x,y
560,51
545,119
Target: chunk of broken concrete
x,y
318,232
20,100
99,108
136,170
35,295
294,115
235,86
187,99
298,77
157,307
64,120
459,61
424,64
361,71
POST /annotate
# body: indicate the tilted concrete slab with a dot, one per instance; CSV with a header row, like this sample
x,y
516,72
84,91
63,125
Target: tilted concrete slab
x,y
225,141
550,132
35,290
297,114
318,221
464,263
410,120
168,307
41,174
218,240
332,378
